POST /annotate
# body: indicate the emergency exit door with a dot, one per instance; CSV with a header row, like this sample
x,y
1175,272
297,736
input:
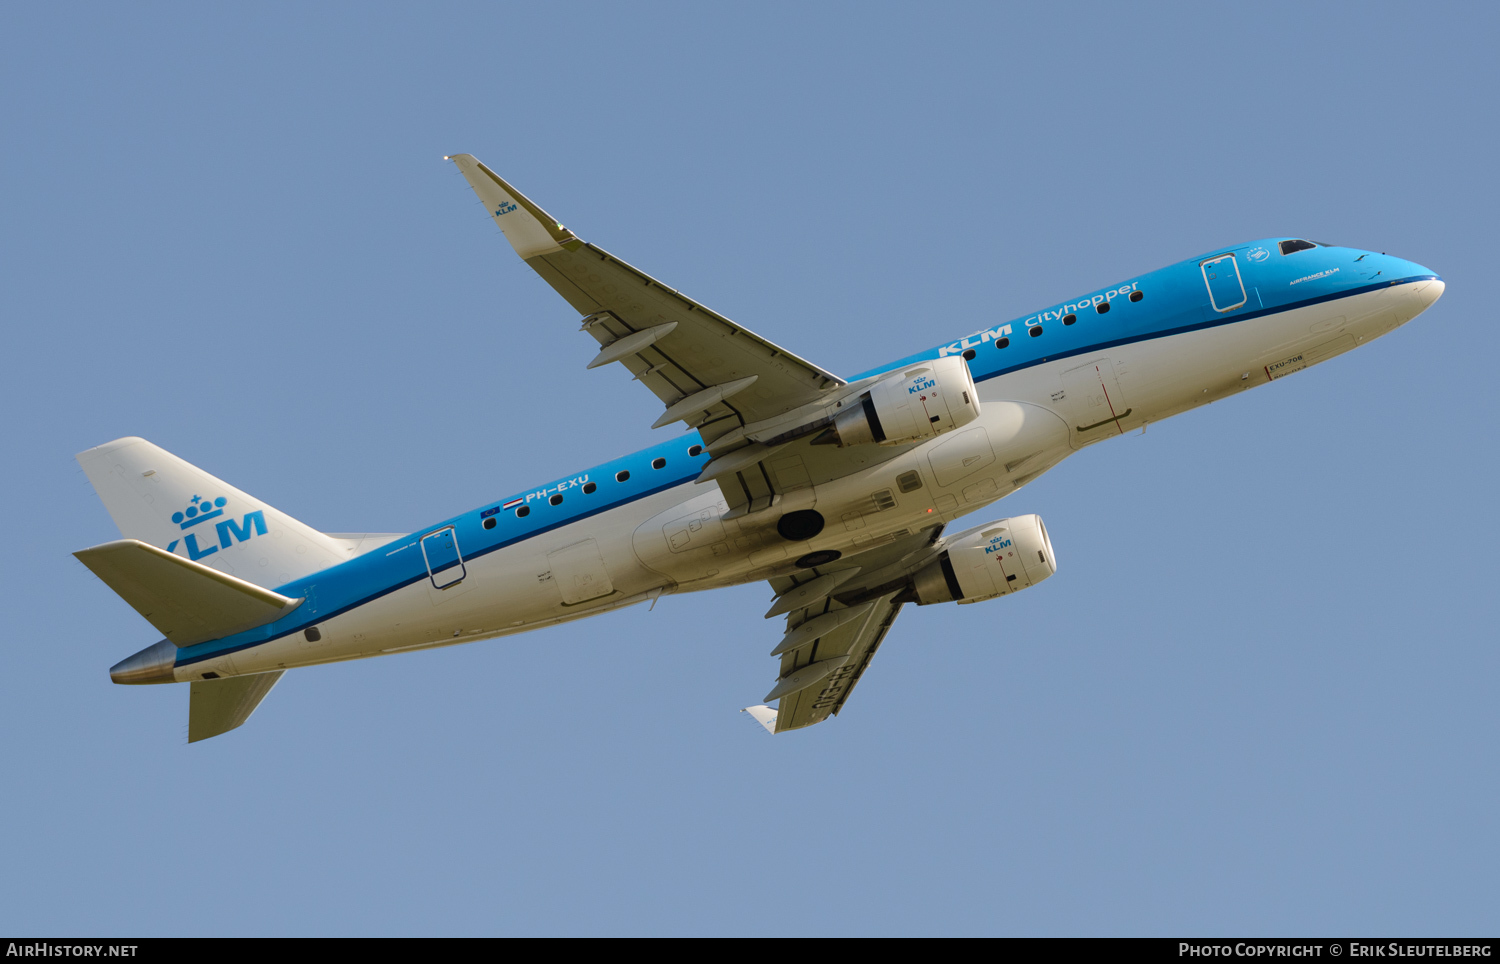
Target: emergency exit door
x,y
445,566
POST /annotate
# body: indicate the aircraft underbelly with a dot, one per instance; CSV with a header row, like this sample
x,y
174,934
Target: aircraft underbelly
x,y
1010,443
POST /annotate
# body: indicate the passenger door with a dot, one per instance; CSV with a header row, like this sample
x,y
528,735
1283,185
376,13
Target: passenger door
x,y
1226,291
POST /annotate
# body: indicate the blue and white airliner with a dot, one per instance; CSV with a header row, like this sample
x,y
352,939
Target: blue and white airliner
x,y
842,493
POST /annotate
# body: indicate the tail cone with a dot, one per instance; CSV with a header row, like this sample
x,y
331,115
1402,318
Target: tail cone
x,y
151,665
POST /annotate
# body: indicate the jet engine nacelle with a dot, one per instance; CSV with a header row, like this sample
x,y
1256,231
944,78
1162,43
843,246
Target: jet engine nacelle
x,y
911,405
993,560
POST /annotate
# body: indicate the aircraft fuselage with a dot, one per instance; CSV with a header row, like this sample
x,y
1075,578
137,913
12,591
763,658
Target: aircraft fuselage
x,y
1051,383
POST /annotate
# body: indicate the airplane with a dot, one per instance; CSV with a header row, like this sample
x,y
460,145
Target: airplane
x,y
838,492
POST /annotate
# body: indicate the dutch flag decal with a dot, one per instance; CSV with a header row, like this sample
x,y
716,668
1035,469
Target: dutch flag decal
x,y
512,503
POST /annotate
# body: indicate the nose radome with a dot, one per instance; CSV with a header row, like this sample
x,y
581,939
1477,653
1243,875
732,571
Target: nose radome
x,y
1428,292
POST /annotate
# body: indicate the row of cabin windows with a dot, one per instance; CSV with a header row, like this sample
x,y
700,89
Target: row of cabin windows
x,y
1287,247
589,488
1036,330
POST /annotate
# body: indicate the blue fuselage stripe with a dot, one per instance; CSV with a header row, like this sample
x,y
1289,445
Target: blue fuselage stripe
x,y
1229,318
184,660
374,574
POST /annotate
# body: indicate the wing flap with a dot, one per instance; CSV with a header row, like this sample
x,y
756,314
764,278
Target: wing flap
x,y
836,620
186,601
219,705
852,644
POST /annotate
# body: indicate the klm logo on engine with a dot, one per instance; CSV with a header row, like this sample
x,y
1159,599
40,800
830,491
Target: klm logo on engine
x,y
996,545
225,533
921,385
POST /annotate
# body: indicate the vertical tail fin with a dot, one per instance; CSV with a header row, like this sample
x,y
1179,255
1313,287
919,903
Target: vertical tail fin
x,y
220,705
156,497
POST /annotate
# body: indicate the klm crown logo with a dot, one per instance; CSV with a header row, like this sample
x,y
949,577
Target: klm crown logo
x,y
200,510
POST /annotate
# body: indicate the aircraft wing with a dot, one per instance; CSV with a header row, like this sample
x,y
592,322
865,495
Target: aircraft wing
x,y
836,618
707,370
833,663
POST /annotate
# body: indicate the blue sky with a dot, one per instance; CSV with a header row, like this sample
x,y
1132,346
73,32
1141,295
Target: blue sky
x,y
1257,698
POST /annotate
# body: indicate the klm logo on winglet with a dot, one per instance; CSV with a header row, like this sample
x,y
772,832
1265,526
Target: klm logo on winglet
x,y
229,531
505,208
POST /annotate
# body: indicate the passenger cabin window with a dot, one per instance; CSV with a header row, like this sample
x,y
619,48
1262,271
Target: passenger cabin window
x,y
1287,247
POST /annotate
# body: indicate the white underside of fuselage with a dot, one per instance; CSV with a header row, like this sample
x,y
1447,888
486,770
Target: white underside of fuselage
x,y
677,541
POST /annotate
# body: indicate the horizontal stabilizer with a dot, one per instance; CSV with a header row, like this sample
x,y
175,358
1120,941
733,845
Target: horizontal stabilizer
x,y
219,705
186,601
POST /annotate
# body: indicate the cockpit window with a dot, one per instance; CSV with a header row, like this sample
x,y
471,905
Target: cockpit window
x,y
1287,247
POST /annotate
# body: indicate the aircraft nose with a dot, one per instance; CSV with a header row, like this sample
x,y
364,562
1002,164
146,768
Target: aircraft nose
x,y
1430,292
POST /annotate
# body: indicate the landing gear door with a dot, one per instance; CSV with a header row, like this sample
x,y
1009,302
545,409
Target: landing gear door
x,y
1226,291
445,565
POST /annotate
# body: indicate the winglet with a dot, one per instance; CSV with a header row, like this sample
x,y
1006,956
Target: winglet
x,y
763,715
529,229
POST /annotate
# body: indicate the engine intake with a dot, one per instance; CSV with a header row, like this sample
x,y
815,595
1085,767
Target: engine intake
x,y
993,560
911,405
